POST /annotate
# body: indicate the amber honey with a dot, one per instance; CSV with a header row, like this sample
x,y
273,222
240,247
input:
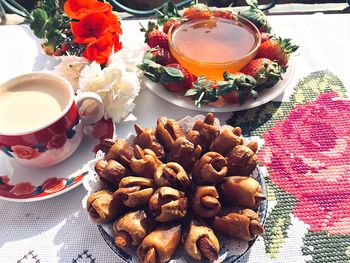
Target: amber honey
x,y
211,46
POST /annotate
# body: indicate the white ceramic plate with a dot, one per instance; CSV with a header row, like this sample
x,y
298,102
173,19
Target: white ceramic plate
x,y
19,183
265,96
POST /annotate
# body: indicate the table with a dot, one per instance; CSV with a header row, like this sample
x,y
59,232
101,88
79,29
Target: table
x,y
57,230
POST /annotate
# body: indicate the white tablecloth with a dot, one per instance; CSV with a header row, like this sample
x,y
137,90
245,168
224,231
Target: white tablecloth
x,y
57,230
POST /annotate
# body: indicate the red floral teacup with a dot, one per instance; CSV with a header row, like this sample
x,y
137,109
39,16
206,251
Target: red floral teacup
x,y
40,121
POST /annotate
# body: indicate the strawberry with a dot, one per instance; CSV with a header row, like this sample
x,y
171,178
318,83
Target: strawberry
x,y
264,36
197,11
202,91
168,24
266,72
161,56
184,84
236,87
158,38
256,16
154,37
223,13
277,49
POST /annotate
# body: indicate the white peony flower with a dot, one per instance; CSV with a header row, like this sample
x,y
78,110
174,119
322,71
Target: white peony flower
x,y
70,68
116,86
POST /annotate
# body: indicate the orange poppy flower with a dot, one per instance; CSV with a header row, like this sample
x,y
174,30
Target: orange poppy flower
x,y
100,50
90,28
77,9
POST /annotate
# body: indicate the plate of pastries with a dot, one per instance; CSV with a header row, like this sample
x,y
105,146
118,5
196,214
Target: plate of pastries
x,y
182,191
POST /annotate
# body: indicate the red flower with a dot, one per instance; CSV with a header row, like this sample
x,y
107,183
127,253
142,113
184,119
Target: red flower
x,y
90,28
53,185
57,141
99,50
308,156
77,9
25,152
23,189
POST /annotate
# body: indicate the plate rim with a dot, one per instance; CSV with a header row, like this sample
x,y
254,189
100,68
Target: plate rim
x,y
159,90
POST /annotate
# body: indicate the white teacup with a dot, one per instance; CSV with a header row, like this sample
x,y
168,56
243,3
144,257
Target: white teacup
x,y
40,121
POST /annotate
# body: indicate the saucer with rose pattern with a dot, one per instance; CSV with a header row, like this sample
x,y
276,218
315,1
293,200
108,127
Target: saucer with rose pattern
x,y
20,183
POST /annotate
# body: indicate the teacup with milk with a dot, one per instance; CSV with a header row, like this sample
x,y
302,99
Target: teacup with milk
x,y
40,123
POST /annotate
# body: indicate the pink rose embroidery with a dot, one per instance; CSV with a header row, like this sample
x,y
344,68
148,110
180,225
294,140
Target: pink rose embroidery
x,y
57,141
22,189
308,156
25,152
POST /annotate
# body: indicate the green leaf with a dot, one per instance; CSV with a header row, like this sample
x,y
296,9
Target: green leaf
x,y
321,246
40,20
255,94
167,11
191,92
253,3
171,75
279,220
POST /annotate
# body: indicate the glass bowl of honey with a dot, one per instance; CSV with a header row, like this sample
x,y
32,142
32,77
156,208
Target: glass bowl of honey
x,y
210,46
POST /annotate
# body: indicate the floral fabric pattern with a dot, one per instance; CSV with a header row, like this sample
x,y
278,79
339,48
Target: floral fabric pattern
x,y
308,156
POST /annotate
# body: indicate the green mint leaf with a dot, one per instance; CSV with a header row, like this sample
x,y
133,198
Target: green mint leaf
x,y
255,94
171,75
40,20
253,3
191,92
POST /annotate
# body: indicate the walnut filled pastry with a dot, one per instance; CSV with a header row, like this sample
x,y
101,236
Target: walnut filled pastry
x,y
111,172
200,241
204,132
167,131
120,151
184,153
227,140
145,162
210,169
241,191
131,228
135,191
168,204
238,223
146,139
103,206
173,175
160,244
242,160
205,201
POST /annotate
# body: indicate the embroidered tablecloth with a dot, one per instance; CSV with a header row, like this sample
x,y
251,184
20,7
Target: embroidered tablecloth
x,y
305,139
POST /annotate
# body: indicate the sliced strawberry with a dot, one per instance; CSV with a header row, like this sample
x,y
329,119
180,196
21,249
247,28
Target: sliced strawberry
x,y
223,13
184,84
277,49
266,72
197,11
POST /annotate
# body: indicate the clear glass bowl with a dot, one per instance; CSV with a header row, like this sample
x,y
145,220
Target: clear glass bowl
x,y
210,46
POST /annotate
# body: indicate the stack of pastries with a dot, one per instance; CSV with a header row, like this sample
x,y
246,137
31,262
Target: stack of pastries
x,y
172,188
